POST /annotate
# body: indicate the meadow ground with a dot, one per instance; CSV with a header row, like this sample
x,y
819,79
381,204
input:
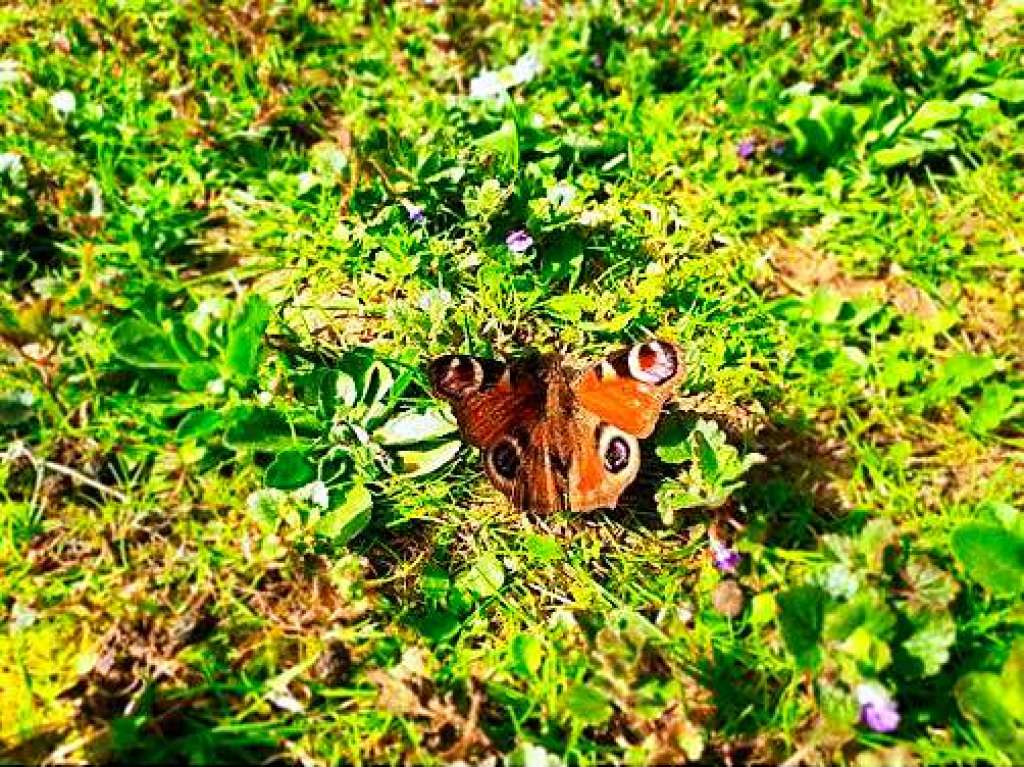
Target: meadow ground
x,y
233,524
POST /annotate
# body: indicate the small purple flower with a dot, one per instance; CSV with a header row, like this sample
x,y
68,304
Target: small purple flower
x,y
597,60
531,4
519,241
778,147
415,214
746,148
725,558
877,710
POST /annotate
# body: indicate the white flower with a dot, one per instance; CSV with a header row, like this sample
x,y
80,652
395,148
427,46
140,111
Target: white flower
x,y
49,287
840,581
526,68
435,298
307,181
285,701
215,308
265,398
9,71
537,756
63,103
328,156
871,693
562,618
494,85
319,495
22,617
209,309
486,85
561,194
216,386
96,209
315,492
10,163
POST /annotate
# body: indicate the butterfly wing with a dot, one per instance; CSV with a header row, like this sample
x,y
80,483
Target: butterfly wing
x,y
628,389
499,408
490,399
606,460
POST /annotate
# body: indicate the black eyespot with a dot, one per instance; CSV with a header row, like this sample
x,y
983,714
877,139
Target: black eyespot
x,y
505,459
616,455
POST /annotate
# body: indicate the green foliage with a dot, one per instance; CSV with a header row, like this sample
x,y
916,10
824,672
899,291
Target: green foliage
x,y
235,527
991,556
996,703
713,473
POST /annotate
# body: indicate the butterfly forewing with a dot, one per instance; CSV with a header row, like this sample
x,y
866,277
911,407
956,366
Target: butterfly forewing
x,y
489,398
629,388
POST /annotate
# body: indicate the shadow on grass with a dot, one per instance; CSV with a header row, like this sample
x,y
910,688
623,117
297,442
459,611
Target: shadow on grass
x,y
792,497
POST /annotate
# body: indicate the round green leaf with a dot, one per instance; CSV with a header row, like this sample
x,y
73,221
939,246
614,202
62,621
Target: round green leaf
x,y
991,556
801,616
544,548
1011,91
258,427
932,113
437,625
144,345
196,375
900,154
198,424
586,705
526,654
289,470
245,335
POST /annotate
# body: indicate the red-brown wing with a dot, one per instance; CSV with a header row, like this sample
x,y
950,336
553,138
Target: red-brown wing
x,y
605,461
629,388
490,399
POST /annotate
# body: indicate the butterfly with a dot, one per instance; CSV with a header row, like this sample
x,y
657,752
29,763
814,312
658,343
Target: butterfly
x,y
555,438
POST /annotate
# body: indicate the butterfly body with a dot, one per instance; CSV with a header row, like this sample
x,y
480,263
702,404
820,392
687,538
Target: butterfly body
x,y
554,437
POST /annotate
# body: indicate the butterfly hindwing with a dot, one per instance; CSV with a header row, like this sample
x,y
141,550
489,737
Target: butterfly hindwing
x,y
629,388
606,460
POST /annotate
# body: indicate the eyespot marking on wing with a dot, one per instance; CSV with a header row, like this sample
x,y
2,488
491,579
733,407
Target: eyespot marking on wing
x,y
507,456
652,362
505,459
616,448
456,375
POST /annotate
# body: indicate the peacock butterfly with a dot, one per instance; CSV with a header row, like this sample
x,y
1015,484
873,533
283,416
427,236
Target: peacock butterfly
x,y
554,437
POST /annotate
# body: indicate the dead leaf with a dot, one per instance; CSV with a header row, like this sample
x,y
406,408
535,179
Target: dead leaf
x,y
728,598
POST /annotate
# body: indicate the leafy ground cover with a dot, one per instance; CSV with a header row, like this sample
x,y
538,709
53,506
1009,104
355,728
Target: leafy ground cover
x,y
235,526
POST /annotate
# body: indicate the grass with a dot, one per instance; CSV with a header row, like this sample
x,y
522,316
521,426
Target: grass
x,y
236,527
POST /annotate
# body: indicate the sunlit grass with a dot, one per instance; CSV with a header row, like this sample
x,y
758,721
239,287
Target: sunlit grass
x,y
233,524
